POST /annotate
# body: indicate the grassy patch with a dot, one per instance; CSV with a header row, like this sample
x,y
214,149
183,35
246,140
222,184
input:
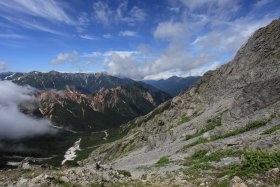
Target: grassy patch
x,y
271,116
248,127
271,130
198,141
223,183
124,173
96,185
253,163
62,183
218,155
195,170
163,161
184,119
211,124
202,156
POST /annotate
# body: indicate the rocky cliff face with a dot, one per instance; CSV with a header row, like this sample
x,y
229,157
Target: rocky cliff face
x,y
228,109
106,109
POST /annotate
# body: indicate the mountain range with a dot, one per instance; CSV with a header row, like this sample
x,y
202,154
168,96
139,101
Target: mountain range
x,y
173,85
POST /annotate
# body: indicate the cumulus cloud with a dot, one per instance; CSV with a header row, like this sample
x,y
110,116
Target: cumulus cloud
x,y
72,58
229,37
13,123
3,66
191,41
171,30
196,42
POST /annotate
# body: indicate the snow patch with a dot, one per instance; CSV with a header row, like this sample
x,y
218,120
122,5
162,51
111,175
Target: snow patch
x,y
71,152
9,76
106,135
13,163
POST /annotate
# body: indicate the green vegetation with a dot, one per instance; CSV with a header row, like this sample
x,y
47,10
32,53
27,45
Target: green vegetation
x,y
271,130
218,155
91,141
210,126
194,171
96,185
253,162
62,183
202,156
198,141
184,119
271,116
248,127
124,173
157,111
163,161
223,183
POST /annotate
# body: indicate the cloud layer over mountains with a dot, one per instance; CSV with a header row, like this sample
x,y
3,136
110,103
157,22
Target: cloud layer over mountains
x,y
13,123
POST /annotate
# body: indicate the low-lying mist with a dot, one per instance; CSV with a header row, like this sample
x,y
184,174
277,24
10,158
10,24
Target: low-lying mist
x,y
13,123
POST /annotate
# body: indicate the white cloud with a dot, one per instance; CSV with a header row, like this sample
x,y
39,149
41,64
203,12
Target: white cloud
x,y
72,58
210,4
33,25
88,37
102,12
262,3
127,33
196,42
12,36
193,41
83,22
171,30
123,66
107,36
3,66
110,54
106,15
47,16
45,9
132,16
92,54
122,54
15,124
229,36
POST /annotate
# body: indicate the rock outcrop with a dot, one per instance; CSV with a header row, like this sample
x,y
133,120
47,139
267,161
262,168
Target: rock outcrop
x,y
241,94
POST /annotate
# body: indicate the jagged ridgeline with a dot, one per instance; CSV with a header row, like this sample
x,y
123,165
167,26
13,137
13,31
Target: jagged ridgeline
x,y
88,83
87,102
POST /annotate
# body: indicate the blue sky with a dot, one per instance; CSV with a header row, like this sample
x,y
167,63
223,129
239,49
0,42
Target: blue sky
x,y
140,39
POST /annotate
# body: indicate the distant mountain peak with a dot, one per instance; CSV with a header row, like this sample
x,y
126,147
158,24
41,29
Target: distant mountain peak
x,y
174,85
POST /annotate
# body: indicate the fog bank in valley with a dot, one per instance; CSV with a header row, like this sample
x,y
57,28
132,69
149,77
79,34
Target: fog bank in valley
x,y
13,123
